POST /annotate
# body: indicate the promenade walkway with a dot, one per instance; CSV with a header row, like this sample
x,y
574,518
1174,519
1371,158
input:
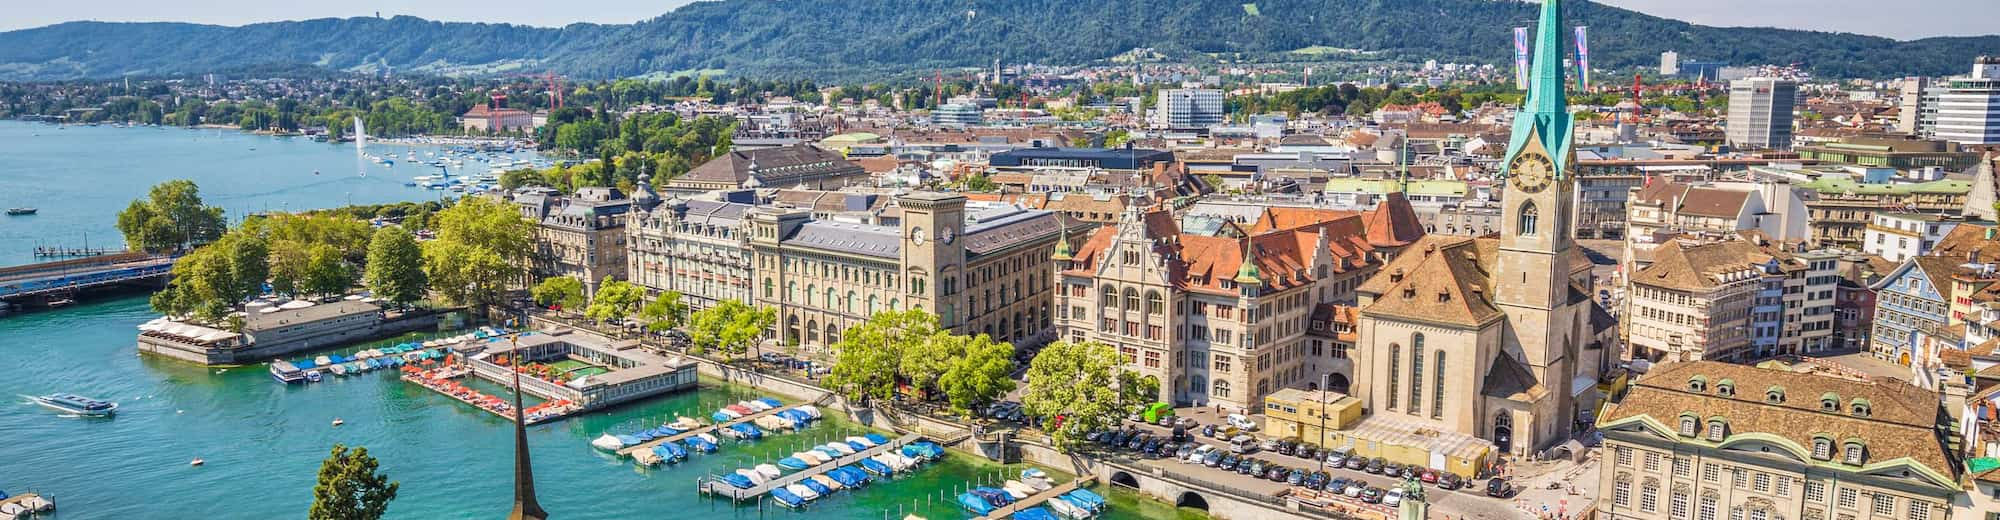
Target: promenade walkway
x,y
1038,498
718,487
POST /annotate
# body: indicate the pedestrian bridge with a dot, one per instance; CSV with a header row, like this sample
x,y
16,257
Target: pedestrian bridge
x,y
64,276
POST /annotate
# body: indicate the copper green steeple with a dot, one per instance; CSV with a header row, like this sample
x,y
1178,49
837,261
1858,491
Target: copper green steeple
x,y
1546,113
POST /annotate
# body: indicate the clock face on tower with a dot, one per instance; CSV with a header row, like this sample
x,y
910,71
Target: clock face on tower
x,y
946,235
917,235
1529,172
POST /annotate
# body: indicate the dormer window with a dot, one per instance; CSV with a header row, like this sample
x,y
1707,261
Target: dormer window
x,y
1829,402
1689,426
1775,395
1854,452
1822,448
1717,429
1859,408
1698,384
1726,388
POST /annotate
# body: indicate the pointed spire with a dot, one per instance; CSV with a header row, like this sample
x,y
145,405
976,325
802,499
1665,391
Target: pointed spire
x,y
525,505
1062,244
1979,203
1403,177
1247,275
1545,87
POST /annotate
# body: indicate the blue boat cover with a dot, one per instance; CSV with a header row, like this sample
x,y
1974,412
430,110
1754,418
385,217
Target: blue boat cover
x,y
848,476
994,496
789,499
628,440
701,445
769,401
791,463
974,503
748,430
1034,513
856,445
300,364
740,481
828,452
719,417
816,486
877,468
876,438
1086,498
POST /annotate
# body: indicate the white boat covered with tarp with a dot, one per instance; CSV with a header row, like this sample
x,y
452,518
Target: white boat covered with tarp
x,y
608,442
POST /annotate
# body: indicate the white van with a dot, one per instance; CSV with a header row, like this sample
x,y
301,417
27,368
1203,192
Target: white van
x,y
1242,444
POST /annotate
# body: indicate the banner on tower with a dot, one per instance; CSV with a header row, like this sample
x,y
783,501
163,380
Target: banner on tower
x,y
1521,58
1583,58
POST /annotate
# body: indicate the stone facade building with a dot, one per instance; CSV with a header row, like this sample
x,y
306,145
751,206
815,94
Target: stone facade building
x,y
781,167
581,235
697,246
1708,440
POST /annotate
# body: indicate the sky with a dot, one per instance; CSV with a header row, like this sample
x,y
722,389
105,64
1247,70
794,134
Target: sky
x,y
1902,19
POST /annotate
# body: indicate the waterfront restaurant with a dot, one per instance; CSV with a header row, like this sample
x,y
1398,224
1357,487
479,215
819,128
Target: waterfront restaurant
x,y
616,372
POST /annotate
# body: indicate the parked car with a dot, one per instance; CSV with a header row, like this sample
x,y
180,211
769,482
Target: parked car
x,y
1252,467
1428,476
1270,445
1393,498
1306,451
1295,477
1200,452
1336,457
1208,431
1165,421
1152,447
1213,459
1138,441
1449,481
1497,487
1375,465
1181,434
1185,422
1276,473
1317,480
1355,463
1242,422
1392,470
1229,463
1354,489
1242,444
1372,495
1183,451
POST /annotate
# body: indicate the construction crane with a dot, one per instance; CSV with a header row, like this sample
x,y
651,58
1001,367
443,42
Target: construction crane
x,y
555,88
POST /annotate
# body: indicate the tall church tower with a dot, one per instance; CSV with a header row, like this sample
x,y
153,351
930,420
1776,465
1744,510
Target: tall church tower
x,y
1532,282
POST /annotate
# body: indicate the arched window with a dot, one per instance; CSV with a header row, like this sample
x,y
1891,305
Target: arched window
x,y
1829,402
1774,395
1416,373
829,301
812,291
1154,304
1263,386
832,334
812,331
769,286
1726,388
872,301
1109,299
1437,388
850,301
1395,372
1822,448
1690,426
1717,429
792,292
1529,218
1697,384
1853,452
893,303
1221,388
1131,300
1860,408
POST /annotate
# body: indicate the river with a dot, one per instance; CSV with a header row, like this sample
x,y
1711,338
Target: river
x,y
263,441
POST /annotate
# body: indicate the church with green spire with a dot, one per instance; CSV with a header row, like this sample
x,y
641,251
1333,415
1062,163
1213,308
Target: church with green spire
x,y
1510,314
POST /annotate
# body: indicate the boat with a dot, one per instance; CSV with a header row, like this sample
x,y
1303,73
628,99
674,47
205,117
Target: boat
x,y
830,453
670,451
197,462
1033,473
769,471
809,457
21,211
313,376
647,458
739,410
815,486
79,405
792,463
755,406
287,373
997,497
741,482
876,438
974,503
608,442
1067,509
1034,513
704,443
841,447
877,467
773,423
864,441
338,422
1086,499
802,491
785,498
1037,484
1017,489
685,423
849,476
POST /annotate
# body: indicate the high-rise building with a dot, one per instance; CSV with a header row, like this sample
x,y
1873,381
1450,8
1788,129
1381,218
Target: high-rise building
x,y
1670,63
1910,103
1187,109
1968,108
1760,113
956,114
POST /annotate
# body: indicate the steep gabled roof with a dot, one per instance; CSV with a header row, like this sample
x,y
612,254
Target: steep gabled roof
x,y
1437,279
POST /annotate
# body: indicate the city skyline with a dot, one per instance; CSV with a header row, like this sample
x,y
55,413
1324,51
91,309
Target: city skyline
x,y
1853,16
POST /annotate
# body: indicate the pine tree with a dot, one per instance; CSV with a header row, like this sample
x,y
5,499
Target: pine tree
x,y
350,488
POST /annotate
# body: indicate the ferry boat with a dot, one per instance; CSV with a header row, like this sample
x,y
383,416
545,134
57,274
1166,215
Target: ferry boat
x,y
21,211
287,373
77,404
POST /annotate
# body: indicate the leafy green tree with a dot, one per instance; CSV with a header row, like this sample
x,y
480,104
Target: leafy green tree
x,y
351,487
615,300
665,312
327,272
563,291
290,266
395,269
1135,391
479,252
1214,182
979,183
979,370
1074,381
170,219
729,327
488,224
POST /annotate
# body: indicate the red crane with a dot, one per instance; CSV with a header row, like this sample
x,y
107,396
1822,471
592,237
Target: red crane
x,y
937,93
555,88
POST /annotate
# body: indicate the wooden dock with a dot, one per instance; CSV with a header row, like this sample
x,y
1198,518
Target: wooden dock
x,y
1038,498
629,450
718,487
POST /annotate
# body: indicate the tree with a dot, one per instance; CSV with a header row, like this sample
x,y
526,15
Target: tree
x,y
350,487
395,269
729,327
467,275
872,354
1215,182
560,292
480,247
615,300
327,271
1074,381
978,373
1135,390
664,312
170,219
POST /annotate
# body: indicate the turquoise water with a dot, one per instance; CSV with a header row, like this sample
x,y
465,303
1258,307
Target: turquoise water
x,y
80,176
263,441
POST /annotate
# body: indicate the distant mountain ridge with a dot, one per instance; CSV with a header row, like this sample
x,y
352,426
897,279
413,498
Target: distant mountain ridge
x,y
846,39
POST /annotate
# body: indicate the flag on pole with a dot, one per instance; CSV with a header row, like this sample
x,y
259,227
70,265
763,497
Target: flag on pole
x,y
1583,57
1521,58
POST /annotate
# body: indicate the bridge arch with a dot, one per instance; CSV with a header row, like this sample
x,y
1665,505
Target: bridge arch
x,y
1122,478
1191,499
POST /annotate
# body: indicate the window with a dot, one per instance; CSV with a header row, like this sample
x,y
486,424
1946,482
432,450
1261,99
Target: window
x,y
1221,388
1649,497
1739,477
1395,359
1437,390
1815,492
1529,216
1784,485
1416,373
1848,497
1854,453
1710,473
1708,507
1677,506
1689,426
1621,493
1762,482
1131,300
1822,448
1221,364
1683,467
1885,505
1624,456
1716,429
1154,304
1920,510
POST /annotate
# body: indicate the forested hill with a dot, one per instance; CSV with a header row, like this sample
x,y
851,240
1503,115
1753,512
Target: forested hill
x,y
847,39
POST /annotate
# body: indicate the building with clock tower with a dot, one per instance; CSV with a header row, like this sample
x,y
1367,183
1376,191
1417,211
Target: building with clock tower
x,y
1511,313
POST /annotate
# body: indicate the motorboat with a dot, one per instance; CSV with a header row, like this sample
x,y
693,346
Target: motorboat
x,y
313,376
815,486
1034,513
997,497
684,423
876,467
704,443
785,497
338,370
769,471
1086,499
876,438
755,406
79,405
1067,509
21,211
829,453
773,423
647,458
810,457
756,479
670,452
792,463
740,481
287,373
861,440
802,491
841,447
1017,489
608,442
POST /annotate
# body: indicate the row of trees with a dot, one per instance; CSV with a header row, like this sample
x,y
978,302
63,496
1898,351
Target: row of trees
x,y
909,348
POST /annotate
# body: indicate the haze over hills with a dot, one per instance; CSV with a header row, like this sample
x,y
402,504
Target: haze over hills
x,y
862,39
